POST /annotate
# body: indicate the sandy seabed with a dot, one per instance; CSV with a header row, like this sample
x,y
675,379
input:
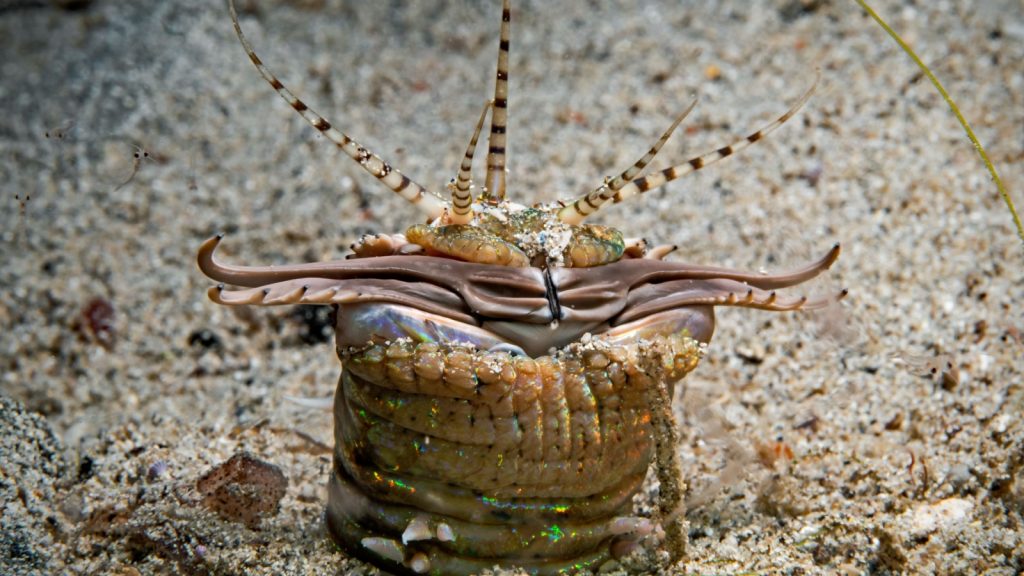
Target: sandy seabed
x,y
813,443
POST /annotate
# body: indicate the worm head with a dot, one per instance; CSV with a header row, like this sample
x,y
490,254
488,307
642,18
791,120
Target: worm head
x,y
535,276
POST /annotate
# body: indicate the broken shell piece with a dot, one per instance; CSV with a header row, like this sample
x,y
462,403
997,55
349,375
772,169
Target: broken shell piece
x,y
385,548
418,529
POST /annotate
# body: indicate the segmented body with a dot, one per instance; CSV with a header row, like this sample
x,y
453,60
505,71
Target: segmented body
x,y
532,462
507,370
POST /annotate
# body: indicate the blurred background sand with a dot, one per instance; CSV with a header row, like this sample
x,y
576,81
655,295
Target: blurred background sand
x,y
813,443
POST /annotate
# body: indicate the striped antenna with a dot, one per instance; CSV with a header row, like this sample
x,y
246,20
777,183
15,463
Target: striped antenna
x,y
495,191
651,181
429,202
587,205
462,197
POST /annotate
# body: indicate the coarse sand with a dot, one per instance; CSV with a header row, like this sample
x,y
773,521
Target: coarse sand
x,y
882,435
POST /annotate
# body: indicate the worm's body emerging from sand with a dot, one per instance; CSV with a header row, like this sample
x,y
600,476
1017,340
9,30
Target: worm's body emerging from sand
x,y
507,370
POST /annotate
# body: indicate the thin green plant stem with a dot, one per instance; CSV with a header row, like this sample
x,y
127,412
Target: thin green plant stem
x,y
956,110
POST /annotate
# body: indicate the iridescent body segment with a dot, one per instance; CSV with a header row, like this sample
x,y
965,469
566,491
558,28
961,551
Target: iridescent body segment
x,y
507,371
532,461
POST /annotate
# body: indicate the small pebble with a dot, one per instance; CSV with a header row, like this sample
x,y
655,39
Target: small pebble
x,y
243,489
204,338
942,515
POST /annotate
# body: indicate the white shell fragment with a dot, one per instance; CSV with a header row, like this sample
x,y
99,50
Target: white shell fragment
x,y
419,563
385,548
942,515
445,533
418,529
325,403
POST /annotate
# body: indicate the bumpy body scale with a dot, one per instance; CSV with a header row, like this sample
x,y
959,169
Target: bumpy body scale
x,y
507,370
